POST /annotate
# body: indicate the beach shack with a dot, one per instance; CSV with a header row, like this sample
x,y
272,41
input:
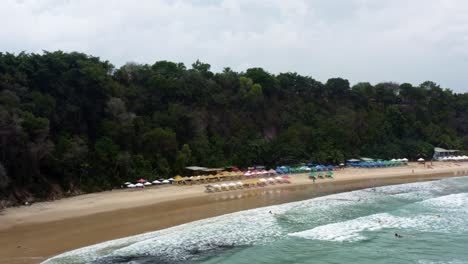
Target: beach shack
x,y
440,153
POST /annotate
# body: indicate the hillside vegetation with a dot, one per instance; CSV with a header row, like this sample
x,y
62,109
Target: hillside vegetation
x,y
71,123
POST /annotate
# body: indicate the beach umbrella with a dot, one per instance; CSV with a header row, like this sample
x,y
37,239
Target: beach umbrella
x,y
156,182
147,183
272,171
232,184
131,186
239,183
420,159
286,177
263,180
127,183
308,169
139,184
405,160
278,178
166,181
270,179
142,181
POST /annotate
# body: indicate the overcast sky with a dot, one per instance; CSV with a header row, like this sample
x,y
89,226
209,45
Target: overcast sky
x,y
361,40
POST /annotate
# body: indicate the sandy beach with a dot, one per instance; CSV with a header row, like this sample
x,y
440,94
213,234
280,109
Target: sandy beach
x,y
34,233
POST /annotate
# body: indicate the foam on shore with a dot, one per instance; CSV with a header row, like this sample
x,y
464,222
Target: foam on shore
x,y
338,217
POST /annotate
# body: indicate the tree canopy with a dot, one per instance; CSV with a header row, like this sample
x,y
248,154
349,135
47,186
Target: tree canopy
x,y
70,122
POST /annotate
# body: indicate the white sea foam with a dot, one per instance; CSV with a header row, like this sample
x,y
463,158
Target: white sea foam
x,y
259,226
447,214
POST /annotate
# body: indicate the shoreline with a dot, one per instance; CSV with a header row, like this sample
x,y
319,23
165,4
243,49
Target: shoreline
x,y
42,230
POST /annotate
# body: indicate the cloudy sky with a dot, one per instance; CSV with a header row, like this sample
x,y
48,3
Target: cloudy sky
x,y
361,40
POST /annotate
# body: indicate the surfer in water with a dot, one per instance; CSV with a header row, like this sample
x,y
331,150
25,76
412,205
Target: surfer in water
x,y
397,235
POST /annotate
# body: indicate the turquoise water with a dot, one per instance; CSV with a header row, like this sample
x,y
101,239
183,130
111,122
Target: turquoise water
x,y
352,227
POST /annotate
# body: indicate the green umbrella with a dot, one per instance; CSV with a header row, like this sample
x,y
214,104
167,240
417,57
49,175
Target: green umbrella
x,y
312,175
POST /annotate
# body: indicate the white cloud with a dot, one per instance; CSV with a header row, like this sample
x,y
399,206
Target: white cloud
x,y
362,40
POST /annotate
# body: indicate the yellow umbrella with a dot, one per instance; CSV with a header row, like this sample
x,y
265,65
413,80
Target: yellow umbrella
x,y
178,178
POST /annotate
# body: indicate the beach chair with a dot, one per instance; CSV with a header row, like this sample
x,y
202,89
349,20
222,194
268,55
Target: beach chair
x,y
330,174
320,175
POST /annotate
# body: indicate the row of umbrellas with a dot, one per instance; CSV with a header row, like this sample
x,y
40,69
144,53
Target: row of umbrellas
x,y
454,158
225,174
240,184
379,164
400,160
143,182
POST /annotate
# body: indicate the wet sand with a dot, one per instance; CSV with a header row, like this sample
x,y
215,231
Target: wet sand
x,y
33,234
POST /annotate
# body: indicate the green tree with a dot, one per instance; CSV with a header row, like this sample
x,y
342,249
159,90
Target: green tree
x,y
183,159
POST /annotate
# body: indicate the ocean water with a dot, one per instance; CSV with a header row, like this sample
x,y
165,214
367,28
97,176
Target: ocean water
x,y
352,227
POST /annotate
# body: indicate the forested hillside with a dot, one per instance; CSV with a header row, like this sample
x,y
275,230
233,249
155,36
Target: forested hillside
x,y
71,123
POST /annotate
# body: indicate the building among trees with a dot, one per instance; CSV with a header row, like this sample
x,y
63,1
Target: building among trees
x,y
440,153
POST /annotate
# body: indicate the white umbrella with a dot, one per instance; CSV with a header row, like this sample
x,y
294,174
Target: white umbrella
x,y
393,160
216,185
165,181
156,182
263,180
127,183
232,184
170,179
405,159
147,183
420,159
308,169
139,185
270,179
278,178
131,185
239,183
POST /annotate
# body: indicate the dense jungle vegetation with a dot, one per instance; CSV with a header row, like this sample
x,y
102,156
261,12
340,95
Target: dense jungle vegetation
x,y
71,123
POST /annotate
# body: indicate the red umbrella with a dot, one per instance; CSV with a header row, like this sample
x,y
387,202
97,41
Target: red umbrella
x,y
286,177
142,181
235,169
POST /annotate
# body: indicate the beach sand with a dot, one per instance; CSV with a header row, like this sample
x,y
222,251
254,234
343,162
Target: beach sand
x,y
31,234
